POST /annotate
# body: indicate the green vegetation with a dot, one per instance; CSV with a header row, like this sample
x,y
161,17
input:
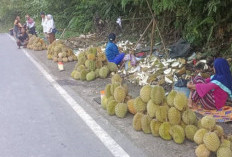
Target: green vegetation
x,y
205,24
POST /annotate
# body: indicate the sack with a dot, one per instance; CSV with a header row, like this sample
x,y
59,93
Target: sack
x,y
180,49
54,30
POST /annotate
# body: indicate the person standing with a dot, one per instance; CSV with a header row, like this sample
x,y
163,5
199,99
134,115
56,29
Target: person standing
x,y
17,26
30,25
51,29
44,24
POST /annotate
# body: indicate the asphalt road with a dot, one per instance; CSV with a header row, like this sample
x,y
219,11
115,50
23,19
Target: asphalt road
x,y
35,120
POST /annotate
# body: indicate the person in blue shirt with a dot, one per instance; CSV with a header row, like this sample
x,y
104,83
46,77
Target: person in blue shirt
x,y
112,52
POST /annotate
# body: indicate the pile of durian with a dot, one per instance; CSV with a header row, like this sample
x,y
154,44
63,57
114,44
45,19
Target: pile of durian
x,y
92,64
36,43
116,97
58,52
211,139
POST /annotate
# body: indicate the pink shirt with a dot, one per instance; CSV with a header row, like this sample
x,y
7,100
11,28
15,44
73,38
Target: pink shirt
x,y
220,96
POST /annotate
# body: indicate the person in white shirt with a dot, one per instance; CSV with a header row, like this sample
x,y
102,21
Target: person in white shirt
x,y
30,25
51,29
44,24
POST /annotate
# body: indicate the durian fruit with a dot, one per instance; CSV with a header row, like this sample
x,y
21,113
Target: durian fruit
x,y
155,125
119,94
137,121
116,78
139,105
225,143
198,137
107,91
70,58
126,88
121,110
174,116
90,76
92,65
224,152
103,73
73,73
177,133
110,107
55,59
189,117
49,57
113,87
157,94
77,76
211,141
180,101
80,68
87,63
60,55
170,98
190,131
219,130
130,106
199,124
74,57
208,122
162,114
183,124
164,130
104,102
112,67
97,73
83,75
99,64
145,93
202,151
152,108
91,57
145,123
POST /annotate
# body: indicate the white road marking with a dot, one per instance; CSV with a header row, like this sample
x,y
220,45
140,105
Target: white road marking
x,y
105,138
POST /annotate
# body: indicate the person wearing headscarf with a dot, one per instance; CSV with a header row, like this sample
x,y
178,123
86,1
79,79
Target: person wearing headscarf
x,y
30,24
50,28
112,52
213,92
17,27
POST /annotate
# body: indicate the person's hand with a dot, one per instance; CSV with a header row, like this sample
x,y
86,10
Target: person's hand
x,y
189,85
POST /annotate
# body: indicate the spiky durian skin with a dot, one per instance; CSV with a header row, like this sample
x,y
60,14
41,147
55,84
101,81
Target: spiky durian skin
x,y
190,131
151,109
73,73
90,76
170,98
211,141
116,78
103,73
219,130
119,94
110,107
189,117
174,116
112,67
224,152
77,76
145,123
208,122
180,101
177,133
130,106
198,137
92,65
162,114
155,125
157,94
91,57
97,73
83,75
137,121
139,105
145,93
202,151
225,143
104,102
164,131
113,87
121,110
107,90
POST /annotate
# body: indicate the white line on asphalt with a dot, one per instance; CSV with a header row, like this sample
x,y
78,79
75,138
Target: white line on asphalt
x,y
105,138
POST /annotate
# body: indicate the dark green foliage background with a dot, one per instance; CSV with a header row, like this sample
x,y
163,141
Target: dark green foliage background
x,y
205,24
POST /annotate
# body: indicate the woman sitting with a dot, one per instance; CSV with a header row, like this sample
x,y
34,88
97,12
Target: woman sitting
x,y
213,92
23,38
112,52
